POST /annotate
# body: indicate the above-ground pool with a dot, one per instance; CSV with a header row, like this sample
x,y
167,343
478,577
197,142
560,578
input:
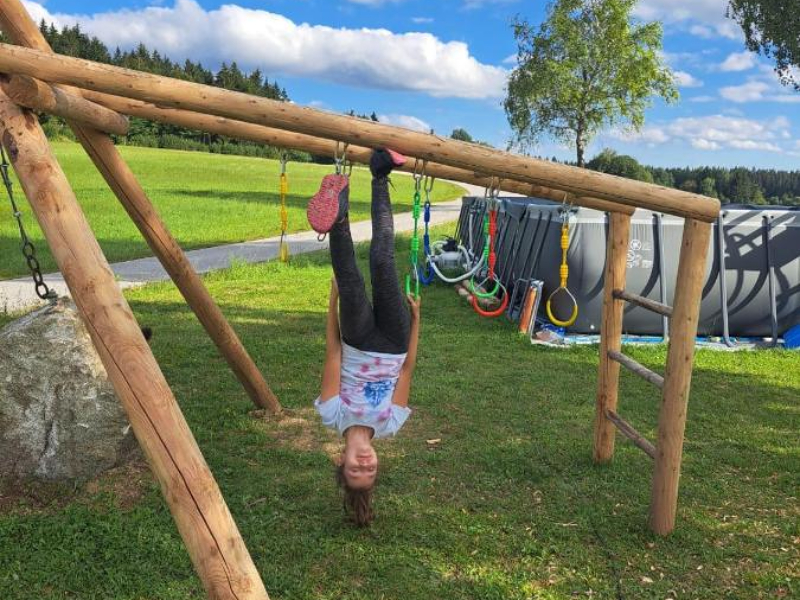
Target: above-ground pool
x,y
758,252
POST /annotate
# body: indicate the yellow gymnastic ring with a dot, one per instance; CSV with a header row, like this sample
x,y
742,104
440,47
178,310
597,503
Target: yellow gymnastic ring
x,y
573,317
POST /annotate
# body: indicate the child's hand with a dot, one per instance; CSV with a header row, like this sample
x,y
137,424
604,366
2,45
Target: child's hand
x,y
413,305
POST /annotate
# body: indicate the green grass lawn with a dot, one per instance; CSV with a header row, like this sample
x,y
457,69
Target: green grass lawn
x,y
205,200
507,506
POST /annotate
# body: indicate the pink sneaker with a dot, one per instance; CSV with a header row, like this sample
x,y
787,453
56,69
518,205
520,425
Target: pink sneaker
x,y
329,205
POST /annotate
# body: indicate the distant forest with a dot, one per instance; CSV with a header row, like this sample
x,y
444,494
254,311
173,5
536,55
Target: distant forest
x,y
731,185
739,185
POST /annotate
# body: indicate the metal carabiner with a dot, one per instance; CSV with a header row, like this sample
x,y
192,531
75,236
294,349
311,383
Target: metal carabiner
x,y
339,160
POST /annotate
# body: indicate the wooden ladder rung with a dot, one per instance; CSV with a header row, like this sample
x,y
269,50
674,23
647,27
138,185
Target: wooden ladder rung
x,y
636,367
657,307
629,432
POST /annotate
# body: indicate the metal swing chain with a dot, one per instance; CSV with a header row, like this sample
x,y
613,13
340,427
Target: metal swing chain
x,y
26,246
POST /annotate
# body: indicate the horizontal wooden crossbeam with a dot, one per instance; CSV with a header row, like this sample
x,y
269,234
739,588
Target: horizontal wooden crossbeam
x,y
40,96
652,305
320,146
629,432
283,115
637,368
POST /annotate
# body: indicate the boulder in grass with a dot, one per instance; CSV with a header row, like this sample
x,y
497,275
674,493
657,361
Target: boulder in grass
x,y
59,416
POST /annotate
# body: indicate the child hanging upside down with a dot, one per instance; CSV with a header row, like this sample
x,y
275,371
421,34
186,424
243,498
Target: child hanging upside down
x,y
371,347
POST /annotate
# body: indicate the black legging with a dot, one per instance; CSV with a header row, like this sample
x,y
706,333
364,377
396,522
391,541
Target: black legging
x,y
384,324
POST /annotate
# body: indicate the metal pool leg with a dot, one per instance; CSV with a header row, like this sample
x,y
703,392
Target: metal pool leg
x,y
773,306
723,286
662,279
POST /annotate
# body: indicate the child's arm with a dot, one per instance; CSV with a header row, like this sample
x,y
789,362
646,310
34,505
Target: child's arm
x,y
403,388
331,371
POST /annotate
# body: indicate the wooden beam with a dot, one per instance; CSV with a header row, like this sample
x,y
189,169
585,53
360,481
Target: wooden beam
x,y
638,368
629,432
21,29
284,115
320,146
207,527
678,375
43,97
610,335
646,303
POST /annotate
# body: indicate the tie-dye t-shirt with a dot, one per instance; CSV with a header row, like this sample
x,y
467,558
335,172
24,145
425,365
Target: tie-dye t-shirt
x,y
365,394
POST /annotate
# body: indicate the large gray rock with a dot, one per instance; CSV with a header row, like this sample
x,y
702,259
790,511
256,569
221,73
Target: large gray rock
x,y
59,416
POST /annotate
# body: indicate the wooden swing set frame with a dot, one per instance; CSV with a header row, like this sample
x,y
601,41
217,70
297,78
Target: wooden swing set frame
x,y
92,97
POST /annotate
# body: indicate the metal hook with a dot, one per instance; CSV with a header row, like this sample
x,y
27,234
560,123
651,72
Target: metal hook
x,y
496,188
337,159
429,181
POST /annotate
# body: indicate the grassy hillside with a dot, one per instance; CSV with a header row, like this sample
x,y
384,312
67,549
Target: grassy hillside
x,y
205,199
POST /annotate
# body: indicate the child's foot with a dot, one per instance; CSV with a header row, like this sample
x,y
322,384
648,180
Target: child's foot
x,y
330,204
384,160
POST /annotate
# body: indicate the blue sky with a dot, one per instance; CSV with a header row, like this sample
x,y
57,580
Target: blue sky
x,y
443,64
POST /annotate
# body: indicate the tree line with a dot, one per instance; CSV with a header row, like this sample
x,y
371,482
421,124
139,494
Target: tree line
x,y
731,185
74,42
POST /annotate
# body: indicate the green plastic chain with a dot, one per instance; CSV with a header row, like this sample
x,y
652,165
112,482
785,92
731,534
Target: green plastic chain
x,y
415,239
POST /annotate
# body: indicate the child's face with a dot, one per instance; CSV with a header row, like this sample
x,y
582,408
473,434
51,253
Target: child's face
x,y
360,466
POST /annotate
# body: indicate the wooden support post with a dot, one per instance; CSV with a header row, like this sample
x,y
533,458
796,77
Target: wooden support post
x,y
637,368
43,97
678,375
207,527
17,24
284,115
610,335
321,147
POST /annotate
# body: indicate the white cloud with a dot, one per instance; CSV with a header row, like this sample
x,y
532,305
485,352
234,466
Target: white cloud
x,y
752,145
374,58
739,61
704,144
759,89
705,18
715,132
511,59
421,20
686,80
701,99
407,121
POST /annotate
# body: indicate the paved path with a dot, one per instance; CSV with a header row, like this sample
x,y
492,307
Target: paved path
x,y
18,294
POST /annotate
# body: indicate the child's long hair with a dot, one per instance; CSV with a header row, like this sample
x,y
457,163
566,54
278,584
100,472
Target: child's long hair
x,y
357,503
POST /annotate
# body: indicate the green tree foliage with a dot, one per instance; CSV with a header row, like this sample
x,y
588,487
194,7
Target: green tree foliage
x,y
608,161
586,67
771,28
738,185
461,135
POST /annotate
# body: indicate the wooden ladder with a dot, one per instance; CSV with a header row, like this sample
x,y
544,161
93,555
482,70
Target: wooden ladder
x,y
674,385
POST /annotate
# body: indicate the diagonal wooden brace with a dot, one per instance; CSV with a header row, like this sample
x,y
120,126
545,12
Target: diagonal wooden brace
x,y
17,24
